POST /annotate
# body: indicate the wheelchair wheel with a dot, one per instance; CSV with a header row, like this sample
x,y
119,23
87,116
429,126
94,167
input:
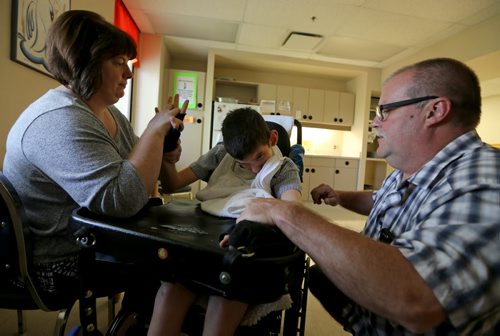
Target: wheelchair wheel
x,y
127,323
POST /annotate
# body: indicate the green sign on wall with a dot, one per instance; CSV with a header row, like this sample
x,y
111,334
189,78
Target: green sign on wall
x,y
185,84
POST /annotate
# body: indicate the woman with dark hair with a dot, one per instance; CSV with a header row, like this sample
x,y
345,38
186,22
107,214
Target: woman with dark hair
x,y
72,148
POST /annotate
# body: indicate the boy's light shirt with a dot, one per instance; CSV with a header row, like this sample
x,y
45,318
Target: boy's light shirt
x,y
230,186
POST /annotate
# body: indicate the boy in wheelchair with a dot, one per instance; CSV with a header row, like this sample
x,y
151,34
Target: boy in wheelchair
x,y
248,164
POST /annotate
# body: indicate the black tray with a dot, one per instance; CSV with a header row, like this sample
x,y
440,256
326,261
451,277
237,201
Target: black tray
x,y
181,243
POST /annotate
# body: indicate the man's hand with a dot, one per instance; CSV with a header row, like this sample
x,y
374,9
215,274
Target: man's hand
x,y
326,194
260,210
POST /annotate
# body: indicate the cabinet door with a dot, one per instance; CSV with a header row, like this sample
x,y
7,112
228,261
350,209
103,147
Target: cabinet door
x,y
284,100
300,102
318,175
346,108
316,105
267,92
331,109
305,178
318,170
345,179
346,174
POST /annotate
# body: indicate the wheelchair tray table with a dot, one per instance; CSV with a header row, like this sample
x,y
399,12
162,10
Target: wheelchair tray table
x,y
181,243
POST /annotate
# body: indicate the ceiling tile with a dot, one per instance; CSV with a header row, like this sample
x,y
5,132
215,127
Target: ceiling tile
x,y
441,10
351,48
192,49
379,26
261,36
297,15
230,10
363,32
194,27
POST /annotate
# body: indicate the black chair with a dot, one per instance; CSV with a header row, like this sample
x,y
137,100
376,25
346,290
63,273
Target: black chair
x,y
17,289
284,126
291,321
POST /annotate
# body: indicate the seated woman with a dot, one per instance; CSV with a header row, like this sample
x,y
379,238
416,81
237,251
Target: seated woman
x,y
72,148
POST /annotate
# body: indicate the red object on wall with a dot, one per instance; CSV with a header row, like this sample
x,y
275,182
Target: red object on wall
x,y
124,21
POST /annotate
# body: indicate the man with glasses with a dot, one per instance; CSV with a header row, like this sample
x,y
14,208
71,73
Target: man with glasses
x,y
428,258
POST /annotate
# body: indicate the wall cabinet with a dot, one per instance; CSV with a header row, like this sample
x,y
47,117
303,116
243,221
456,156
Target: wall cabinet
x,y
266,92
330,107
284,100
300,101
313,106
339,108
243,93
339,173
316,106
346,108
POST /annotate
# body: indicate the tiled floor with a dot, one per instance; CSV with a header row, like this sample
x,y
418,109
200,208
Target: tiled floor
x,y
318,322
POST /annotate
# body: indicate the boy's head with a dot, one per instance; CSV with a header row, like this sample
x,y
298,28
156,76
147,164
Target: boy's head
x,y
247,138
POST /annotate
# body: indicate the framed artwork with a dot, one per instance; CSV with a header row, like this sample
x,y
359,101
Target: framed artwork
x,y
31,20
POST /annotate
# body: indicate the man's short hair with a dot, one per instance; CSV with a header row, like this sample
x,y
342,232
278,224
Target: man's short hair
x,y
449,78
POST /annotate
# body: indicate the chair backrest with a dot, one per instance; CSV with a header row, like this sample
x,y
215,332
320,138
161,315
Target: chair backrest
x,y
13,256
283,137
284,125
287,122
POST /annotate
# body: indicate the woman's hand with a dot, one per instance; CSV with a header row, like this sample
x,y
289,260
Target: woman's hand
x,y
171,111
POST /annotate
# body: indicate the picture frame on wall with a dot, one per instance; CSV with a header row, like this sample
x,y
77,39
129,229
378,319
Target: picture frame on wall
x,y
30,22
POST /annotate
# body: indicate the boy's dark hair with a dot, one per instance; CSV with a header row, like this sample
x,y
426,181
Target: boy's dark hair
x,y
77,44
243,130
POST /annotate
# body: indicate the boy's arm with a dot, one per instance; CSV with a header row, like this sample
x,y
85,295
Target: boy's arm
x,y
172,180
291,195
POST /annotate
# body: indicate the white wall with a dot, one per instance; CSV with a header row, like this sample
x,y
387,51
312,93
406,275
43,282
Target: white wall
x,y
148,82
20,85
467,45
479,47
490,120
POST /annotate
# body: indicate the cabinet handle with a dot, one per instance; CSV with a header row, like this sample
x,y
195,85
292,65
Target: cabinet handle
x,y
307,170
310,117
304,117
198,121
341,120
347,163
313,170
337,171
335,119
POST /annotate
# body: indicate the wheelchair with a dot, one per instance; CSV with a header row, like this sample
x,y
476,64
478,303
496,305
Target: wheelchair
x,y
138,240
288,322
18,291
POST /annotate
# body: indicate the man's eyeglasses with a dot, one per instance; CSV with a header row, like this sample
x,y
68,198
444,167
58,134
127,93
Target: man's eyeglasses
x,y
381,111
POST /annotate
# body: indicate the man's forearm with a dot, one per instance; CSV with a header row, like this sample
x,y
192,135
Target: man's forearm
x,y
373,274
360,202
